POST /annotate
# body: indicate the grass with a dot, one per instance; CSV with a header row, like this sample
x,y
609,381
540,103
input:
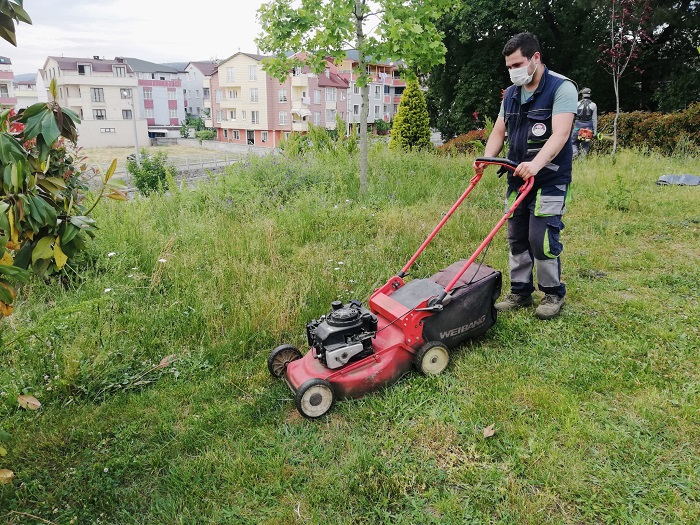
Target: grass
x,y
596,412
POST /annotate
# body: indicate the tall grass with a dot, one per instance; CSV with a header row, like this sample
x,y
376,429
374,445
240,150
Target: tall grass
x,y
596,412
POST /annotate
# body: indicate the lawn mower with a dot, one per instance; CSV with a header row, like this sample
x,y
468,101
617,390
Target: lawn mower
x,y
356,349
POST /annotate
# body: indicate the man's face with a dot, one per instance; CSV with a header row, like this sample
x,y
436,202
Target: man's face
x,y
516,60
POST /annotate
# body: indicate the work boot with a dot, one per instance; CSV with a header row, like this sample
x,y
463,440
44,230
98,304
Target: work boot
x,y
549,307
513,302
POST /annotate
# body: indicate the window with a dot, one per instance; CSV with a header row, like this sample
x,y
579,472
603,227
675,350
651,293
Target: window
x,y
236,134
296,71
97,94
196,93
252,72
173,113
172,95
225,133
126,114
355,109
317,118
60,91
233,114
317,96
108,130
283,118
230,75
377,92
148,112
253,94
218,95
282,95
330,115
243,115
331,94
218,115
264,136
286,135
233,94
119,71
99,114
376,111
205,93
84,69
255,117
356,89
147,94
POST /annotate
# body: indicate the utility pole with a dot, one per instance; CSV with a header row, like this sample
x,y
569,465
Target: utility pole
x,y
128,93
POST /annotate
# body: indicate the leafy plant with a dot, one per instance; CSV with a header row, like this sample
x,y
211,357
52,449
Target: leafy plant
x,y
205,134
381,126
153,173
44,219
12,11
411,130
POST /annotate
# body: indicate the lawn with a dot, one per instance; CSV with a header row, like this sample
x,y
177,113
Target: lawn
x,y
596,413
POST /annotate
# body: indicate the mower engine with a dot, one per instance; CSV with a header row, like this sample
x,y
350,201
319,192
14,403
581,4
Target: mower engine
x,y
344,335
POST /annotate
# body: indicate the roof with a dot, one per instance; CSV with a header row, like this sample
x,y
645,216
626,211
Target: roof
x,y
354,55
99,65
144,66
180,66
207,67
254,56
332,80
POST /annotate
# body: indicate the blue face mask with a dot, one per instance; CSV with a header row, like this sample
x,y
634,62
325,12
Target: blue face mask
x,y
520,77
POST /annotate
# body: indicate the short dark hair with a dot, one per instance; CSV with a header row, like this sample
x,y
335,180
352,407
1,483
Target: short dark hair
x,y
527,43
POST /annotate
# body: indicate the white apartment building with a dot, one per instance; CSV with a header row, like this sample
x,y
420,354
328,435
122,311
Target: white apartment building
x,y
103,94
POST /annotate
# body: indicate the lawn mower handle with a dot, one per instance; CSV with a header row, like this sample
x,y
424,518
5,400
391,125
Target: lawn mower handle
x,y
507,163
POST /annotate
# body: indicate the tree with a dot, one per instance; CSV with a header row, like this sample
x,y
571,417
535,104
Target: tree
x,y
12,11
627,33
400,29
411,129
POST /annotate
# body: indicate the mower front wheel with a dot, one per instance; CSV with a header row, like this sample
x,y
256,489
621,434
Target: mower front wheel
x,y
314,398
432,358
280,357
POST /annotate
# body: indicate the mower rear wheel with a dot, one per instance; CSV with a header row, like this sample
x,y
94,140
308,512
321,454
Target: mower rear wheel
x,y
280,357
314,398
432,358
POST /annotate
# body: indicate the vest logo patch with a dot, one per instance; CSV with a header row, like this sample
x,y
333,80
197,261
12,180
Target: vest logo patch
x,y
539,129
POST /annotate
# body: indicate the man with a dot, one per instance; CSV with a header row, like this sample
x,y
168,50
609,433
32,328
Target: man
x,y
537,112
586,118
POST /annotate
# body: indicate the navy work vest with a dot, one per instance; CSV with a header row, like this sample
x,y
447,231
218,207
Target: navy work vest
x,y
584,113
530,125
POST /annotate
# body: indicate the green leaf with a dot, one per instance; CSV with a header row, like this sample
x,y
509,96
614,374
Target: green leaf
x,y
21,14
4,436
43,249
58,182
44,123
23,257
15,272
6,296
10,149
69,233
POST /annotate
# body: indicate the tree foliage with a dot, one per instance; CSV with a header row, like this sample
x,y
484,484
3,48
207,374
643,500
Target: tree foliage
x,y
411,129
379,30
468,86
11,12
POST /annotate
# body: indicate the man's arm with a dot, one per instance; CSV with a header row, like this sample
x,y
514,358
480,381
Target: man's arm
x,y
494,144
561,133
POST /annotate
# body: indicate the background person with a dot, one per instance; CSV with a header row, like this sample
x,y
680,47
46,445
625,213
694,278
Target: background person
x,y
537,112
586,119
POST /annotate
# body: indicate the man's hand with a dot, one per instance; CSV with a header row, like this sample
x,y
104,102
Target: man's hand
x,y
479,167
527,169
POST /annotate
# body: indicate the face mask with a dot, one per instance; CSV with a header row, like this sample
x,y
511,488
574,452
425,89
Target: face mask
x,y
520,77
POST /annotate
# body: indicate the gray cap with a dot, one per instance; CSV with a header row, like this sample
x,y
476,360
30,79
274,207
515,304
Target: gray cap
x,y
586,92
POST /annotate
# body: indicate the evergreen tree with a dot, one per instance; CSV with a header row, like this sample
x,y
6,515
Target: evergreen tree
x,y
411,129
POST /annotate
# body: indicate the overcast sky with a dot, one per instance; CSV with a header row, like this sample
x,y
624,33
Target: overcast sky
x,y
154,30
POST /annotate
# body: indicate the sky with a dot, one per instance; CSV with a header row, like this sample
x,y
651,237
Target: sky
x,y
153,30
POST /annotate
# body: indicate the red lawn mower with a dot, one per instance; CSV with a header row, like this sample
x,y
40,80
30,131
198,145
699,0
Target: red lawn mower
x,y
354,349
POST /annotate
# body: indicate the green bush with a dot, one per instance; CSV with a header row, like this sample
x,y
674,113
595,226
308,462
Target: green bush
x,y
411,131
153,173
666,133
381,126
205,134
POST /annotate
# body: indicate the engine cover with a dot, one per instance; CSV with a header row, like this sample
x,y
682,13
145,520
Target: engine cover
x,y
344,335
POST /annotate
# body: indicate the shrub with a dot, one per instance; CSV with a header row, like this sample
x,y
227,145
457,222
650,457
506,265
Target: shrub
x,y
470,143
205,134
381,126
411,131
153,173
665,133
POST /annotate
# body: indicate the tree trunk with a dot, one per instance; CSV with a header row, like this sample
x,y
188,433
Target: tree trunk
x,y
364,112
616,85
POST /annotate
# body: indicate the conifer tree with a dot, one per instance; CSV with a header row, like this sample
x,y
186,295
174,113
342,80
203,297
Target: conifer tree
x,y
411,129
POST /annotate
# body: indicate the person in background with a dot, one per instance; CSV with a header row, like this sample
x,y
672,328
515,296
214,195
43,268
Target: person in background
x,y
585,124
537,112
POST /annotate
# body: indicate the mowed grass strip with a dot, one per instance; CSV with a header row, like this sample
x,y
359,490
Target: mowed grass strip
x,y
595,413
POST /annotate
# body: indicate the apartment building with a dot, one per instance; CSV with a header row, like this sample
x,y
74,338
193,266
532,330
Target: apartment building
x,y
29,89
160,96
198,75
385,89
103,93
251,107
7,90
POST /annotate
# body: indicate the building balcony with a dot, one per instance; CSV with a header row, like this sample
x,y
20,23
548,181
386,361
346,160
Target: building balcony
x,y
300,126
8,101
300,81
